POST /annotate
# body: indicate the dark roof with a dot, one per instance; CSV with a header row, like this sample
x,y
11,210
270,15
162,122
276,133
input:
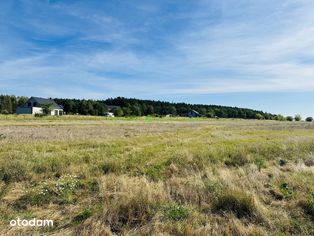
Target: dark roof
x,y
111,107
44,101
195,112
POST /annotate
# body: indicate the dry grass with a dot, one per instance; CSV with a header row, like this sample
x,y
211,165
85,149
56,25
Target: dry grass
x,y
152,176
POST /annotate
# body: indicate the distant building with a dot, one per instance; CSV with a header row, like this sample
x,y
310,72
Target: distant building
x,y
34,105
108,114
112,108
193,113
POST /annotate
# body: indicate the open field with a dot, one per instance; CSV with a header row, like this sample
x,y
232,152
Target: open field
x,y
156,176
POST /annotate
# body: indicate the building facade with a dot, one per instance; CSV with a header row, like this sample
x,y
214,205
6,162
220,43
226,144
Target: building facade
x,y
35,105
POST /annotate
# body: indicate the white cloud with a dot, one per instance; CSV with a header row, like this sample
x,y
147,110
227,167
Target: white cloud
x,y
241,46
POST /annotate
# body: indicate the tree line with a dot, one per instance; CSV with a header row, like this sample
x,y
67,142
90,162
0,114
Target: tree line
x,y
9,103
137,107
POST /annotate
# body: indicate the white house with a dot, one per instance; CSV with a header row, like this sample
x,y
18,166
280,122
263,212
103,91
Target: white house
x,y
34,105
109,114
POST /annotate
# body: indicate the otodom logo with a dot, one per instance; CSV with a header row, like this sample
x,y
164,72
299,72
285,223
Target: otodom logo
x,y
31,223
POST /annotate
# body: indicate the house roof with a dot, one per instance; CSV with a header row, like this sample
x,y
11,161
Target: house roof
x,y
195,112
44,101
111,107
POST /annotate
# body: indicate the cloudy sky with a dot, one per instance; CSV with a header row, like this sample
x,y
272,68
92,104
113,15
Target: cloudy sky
x,y
248,53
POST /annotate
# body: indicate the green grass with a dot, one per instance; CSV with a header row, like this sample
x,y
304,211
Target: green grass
x,y
146,175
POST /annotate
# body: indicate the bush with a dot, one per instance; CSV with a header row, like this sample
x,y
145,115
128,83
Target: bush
x,y
135,205
176,212
297,118
286,190
279,118
259,116
82,216
260,162
289,118
237,159
308,207
210,115
109,167
118,112
237,202
309,119
39,115
93,186
32,198
12,171
60,191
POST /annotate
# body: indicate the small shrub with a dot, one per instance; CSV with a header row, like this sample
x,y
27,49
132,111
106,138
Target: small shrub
x,y
239,203
176,212
276,195
280,118
155,172
60,191
308,207
289,118
39,115
309,119
108,168
12,171
237,159
33,198
260,163
93,186
259,116
85,214
309,161
286,191
135,205
214,187
282,162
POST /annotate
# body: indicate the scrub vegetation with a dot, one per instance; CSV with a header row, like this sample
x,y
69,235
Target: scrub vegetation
x,y
156,176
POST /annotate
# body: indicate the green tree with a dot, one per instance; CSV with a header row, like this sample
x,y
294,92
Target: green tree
x,y
21,101
172,110
280,118
289,118
309,119
68,106
259,116
136,110
47,108
127,111
297,117
150,110
203,111
118,112
210,114
6,106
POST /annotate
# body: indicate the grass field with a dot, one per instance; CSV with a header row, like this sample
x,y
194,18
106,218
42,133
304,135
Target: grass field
x,y
156,176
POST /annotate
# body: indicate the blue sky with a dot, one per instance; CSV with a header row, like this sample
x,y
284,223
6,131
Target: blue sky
x,y
248,53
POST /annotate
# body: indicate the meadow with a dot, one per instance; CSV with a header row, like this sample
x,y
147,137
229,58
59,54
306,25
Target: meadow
x,y
156,176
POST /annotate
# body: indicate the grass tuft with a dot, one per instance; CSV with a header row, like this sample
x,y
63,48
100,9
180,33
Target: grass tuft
x,y
176,212
236,202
